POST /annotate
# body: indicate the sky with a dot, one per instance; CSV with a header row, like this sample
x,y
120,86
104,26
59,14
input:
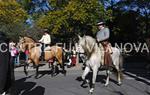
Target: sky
x,y
40,6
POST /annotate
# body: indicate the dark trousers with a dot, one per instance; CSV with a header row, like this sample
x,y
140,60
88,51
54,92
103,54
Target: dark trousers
x,y
7,75
42,48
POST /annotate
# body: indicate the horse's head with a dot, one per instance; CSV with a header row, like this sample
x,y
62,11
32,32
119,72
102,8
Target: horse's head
x,y
25,43
21,44
87,43
81,41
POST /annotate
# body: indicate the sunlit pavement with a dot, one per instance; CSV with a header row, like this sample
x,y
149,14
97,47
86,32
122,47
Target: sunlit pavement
x,y
133,84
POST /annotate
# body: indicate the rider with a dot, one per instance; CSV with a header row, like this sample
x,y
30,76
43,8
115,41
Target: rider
x,y
102,37
46,41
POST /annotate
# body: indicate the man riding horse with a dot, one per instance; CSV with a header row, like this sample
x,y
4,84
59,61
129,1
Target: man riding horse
x,y
102,37
45,40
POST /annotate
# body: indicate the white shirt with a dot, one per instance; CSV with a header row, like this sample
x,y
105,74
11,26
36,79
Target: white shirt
x,y
46,39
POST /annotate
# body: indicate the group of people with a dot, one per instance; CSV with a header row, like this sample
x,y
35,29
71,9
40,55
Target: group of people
x,y
71,57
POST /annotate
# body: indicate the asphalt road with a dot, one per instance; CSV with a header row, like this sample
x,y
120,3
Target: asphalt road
x,y
133,83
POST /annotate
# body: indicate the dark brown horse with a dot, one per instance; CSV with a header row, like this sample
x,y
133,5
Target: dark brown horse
x,y
55,52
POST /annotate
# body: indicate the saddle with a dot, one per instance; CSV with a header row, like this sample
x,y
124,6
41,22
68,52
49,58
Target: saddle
x,y
48,48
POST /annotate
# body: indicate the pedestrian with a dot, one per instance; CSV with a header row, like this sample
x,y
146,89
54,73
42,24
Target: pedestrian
x,y
6,67
74,56
17,60
68,58
13,52
26,55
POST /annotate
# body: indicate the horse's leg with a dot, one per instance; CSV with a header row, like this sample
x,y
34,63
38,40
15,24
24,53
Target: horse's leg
x,y
37,71
62,65
95,71
108,76
63,68
119,74
49,65
52,69
55,68
86,71
25,68
36,61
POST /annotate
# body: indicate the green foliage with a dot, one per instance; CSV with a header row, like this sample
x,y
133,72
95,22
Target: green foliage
x,y
74,16
131,19
12,17
25,3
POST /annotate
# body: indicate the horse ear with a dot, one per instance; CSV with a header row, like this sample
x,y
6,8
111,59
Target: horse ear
x,y
79,37
84,35
20,37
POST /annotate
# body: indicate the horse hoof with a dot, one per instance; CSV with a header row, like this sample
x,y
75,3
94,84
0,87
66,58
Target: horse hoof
x,y
119,83
26,74
84,82
90,93
52,75
106,85
36,77
91,90
64,72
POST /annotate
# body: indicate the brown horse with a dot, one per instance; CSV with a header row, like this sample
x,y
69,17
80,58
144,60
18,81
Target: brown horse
x,y
34,48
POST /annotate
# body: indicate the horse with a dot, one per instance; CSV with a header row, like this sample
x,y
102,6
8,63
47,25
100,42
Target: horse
x,y
35,51
93,53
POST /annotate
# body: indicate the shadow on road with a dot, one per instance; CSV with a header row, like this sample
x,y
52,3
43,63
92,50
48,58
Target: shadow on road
x,y
135,67
27,88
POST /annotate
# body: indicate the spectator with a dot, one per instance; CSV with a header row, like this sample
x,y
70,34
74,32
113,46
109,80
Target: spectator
x,y
13,52
6,67
73,58
68,58
17,61
26,55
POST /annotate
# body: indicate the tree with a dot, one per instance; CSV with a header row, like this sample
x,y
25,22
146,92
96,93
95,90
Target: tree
x,y
74,16
12,17
130,17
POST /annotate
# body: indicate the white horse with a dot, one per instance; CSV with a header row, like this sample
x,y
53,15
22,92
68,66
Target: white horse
x,y
94,53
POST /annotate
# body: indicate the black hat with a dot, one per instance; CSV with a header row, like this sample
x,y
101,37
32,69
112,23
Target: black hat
x,y
46,30
101,23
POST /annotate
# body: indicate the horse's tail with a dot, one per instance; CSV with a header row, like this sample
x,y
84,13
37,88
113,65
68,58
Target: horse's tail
x,y
121,62
119,67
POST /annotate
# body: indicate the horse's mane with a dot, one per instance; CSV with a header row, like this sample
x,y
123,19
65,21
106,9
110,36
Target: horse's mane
x,y
90,44
28,37
90,38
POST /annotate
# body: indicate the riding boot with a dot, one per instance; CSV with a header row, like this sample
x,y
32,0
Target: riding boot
x,y
42,53
42,56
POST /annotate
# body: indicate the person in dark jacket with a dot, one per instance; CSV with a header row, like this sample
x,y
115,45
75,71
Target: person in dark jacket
x,y
6,66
